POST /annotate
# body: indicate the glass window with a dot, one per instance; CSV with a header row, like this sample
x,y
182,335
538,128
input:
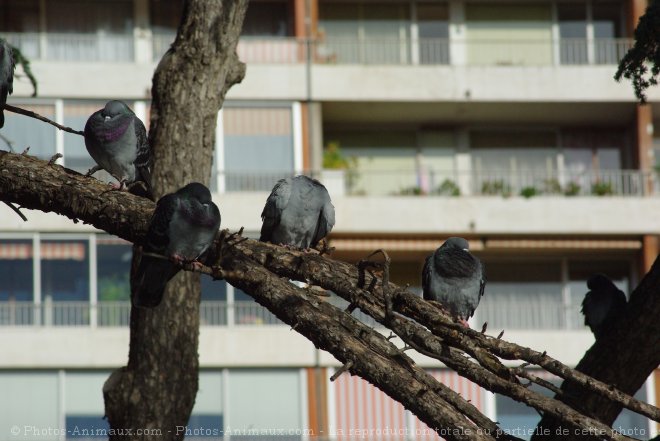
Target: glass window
x,y
82,30
207,417
572,32
213,309
522,295
609,20
433,28
264,399
19,24
267,19
248,312
65,282
16,289
113,268
33,402
23,132
258,147
509,34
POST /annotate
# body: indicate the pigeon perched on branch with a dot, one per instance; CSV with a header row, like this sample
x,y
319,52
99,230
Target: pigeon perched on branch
x,y
455,278
603,304
182,228
117,140
298,213
6,75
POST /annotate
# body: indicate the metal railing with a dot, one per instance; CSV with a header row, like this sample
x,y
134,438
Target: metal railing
x,y
74,46
338,50
488,182
117,313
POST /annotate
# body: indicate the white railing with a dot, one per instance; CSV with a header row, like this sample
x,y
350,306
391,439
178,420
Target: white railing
x,y
432,182
338,50
117,313
74,46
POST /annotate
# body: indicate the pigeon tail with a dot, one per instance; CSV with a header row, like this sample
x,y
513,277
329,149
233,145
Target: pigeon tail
x,y
151,278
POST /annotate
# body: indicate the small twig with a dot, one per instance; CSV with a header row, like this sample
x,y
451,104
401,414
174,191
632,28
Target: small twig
x,y
54,158
484,327
385,281
16,210
325,247
31,114
25,152
341,370
499,336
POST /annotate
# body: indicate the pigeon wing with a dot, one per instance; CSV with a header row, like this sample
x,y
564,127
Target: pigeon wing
x,y
457,263
426,278
154,272
275,204
143,158
325,222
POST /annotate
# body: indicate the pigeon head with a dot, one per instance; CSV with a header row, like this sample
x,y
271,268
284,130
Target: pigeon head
x,y
114,108
599,282
457,243
197,191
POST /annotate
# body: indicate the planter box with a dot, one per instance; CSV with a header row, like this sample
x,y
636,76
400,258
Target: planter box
x,y
334,181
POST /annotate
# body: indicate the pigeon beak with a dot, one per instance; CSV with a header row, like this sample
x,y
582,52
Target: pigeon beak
x,y
466,250
105,118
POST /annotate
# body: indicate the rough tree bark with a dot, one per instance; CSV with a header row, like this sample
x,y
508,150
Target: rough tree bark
x,y
157,389
263,270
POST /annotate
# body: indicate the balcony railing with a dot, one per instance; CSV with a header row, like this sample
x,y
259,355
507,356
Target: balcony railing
x,y
528,183
74,46
523,313
336,50
117,313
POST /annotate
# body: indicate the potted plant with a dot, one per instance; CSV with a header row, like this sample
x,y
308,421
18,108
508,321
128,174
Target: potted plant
x,y
448,188
338,170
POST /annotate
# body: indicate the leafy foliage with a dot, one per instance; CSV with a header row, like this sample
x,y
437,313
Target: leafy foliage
x,y
641,64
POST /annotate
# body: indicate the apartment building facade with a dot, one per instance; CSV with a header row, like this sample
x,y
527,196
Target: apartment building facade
x,y
494,120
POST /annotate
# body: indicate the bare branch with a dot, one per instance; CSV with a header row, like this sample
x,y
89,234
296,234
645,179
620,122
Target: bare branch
x,y
32,114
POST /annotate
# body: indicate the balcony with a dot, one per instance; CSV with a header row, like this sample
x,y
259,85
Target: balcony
x,y
117,314
48,46
428,181
521,314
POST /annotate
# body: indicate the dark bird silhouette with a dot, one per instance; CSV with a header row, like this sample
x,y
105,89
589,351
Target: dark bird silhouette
x,y
298,213
7,66
182,228
603,305
455,278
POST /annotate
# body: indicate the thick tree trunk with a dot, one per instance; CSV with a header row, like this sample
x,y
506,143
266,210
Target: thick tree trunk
x,y
624,358
156,391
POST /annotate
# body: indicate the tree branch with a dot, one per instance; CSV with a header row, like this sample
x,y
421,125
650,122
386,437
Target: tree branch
x,y
32,114
258,268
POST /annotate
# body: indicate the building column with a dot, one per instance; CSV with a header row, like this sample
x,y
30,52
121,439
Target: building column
x,y
650,250
644,143
636,9
142,36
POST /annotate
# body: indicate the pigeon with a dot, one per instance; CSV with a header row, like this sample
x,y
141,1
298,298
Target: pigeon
x,y
117,140
182,228
603,304
6,75
455,278
298,213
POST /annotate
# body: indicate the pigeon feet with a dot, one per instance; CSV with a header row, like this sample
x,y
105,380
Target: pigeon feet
x,y
93,170
464,323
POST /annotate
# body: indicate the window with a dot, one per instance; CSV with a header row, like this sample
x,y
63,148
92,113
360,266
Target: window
x,y
92,31
16,289
33,403
258,147
267,18
573,33
25,132
509,34
84,406
608,24
264,399
65,282
433,28
19,24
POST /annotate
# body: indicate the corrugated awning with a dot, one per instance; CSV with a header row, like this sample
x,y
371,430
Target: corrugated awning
x,y
371,244
49,251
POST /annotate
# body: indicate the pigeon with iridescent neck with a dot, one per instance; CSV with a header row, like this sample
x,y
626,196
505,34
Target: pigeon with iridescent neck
x,y
6,76
298,213
455,278
117,140
603,304
182,228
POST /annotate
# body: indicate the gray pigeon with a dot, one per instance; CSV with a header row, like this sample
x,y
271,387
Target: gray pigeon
x,y
298,213
182,228
117,140
603,304
455,278
6,75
